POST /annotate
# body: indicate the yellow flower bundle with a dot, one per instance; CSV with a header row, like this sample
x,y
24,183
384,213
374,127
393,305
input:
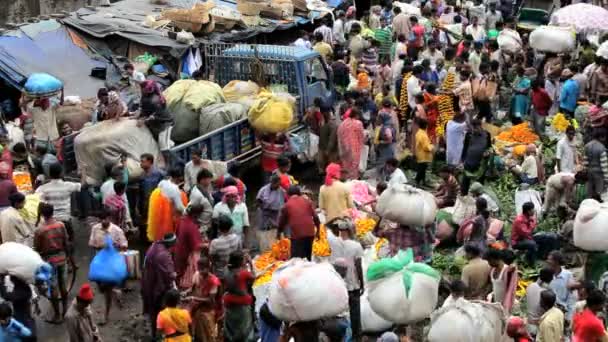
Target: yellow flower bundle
x,y
281,250
320,246
379,244
266,276
518,134
560,122
364,226
522,286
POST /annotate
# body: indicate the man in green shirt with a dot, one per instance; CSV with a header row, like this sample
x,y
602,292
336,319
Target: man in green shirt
x,y
383,35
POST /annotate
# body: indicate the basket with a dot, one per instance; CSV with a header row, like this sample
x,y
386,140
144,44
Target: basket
x,y
250,8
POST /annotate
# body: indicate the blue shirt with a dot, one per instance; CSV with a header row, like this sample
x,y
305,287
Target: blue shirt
x,y
569,95
14,331
564,296
150,181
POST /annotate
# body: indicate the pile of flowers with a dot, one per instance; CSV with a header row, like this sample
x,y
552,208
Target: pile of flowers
x,y
320,246
518,134
364,226
263,261
522,286
379,244
560,122
266,276
281,249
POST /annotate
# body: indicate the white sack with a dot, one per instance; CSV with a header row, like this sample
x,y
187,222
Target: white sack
x,y
407,205
20,261
304,291
468,321
370,321
509,40
602,51
591,226
528,195
387,297
102,144
463,209
553,39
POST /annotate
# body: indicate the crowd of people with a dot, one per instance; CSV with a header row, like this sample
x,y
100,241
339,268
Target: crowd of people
x,y
392,72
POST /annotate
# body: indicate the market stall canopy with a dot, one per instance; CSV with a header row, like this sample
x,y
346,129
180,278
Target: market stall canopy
x,y
49,47
585,18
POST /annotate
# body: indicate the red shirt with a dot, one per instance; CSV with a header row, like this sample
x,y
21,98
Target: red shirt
x,y
188,240
541,101
299,215
587,327
232,296
522,228
418,32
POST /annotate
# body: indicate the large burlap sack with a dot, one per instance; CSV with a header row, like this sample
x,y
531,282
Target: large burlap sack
x,y
219,115
304,291
509,40
185,99
402,291
102,144
591,226
271,113
553,39
468,321
20,261
235,90
76,114
407,205
370,321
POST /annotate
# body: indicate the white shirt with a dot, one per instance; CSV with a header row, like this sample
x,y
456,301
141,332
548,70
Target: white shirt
x,y
432,56
566,153
478,32
239,216
197,198
300,42
45,122
58,193
529,166
190,173
492,18
397,177
338,31
347,252
327,33
413,89
137,77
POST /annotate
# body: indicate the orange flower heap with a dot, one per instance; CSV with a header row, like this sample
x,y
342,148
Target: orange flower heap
x,y
518,134
281,249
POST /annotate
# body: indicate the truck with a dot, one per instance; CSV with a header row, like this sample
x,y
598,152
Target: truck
x,y
302,72
534,13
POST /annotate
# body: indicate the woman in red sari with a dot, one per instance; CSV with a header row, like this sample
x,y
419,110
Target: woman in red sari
x,y
351,137
204,304
188,247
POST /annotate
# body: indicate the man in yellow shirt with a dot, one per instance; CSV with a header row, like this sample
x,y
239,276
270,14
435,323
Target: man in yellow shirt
x,y
551,323
322,47
423,151
334,196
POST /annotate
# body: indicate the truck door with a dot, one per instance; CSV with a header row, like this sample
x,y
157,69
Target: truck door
x,y
318,81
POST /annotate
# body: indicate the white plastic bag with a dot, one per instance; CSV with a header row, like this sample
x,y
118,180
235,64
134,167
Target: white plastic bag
x,y
20,261
370,321
387,297
304,291
407,205
590,230
553,39
468,321
528,195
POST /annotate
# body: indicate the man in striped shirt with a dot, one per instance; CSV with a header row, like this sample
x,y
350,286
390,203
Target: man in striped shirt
x,y
326,31
596,163
383,35
58,193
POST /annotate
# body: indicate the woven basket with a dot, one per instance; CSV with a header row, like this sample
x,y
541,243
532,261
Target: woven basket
x,y
250,8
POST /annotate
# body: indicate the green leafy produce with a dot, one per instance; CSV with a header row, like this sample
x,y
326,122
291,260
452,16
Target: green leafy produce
x,y
448,264
550,223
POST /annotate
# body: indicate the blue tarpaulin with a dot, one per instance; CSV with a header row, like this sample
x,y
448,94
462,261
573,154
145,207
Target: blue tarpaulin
x,y
48,47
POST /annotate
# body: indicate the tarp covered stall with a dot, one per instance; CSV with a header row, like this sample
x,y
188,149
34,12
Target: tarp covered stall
x,y
49,47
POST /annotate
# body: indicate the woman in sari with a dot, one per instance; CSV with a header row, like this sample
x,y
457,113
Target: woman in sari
x,y
432,110
188,247
116,206
521,101
203,302
238,301
351,137
172,322
385,139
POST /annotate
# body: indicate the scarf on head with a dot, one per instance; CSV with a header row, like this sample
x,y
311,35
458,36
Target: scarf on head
x,y
230,190
332,172
150,88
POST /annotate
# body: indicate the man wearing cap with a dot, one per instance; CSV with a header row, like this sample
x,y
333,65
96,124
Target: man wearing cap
x,y
79,318
13,227
569,94
158,277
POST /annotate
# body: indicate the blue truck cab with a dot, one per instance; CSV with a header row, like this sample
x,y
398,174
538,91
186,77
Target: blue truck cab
x,y
300,71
